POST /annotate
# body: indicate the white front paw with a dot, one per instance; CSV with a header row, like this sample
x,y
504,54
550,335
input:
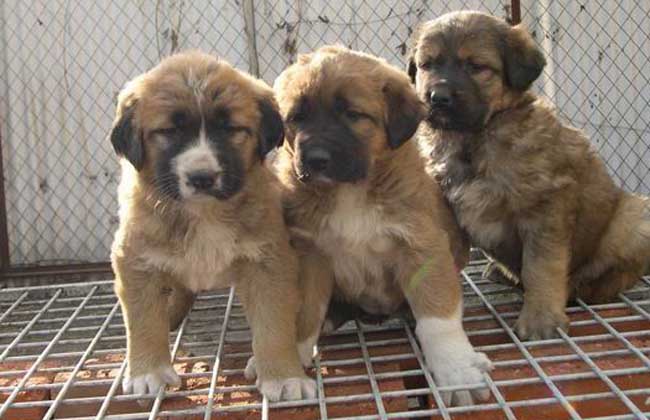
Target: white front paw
x,y
151,382
306,351
452,359
467,370
288,389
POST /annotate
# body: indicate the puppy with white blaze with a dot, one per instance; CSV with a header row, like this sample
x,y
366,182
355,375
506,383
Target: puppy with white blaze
x,y
198,211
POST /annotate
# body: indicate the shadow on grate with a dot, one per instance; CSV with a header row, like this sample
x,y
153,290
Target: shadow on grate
x,y
61,356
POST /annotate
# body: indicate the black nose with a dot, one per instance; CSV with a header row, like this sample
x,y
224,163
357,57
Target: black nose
x,y
202,180
441,96
316,159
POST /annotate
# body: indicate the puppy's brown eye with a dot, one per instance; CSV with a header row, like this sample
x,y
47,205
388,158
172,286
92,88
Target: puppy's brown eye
x,y
296,117
179,119
430,63
168,131
476,67
221,119
354,115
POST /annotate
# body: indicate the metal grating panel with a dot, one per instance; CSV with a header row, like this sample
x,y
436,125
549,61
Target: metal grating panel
x,y
61,356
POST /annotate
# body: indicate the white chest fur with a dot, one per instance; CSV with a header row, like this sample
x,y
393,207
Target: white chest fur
x,y
358,237
476,202
201,259
486,234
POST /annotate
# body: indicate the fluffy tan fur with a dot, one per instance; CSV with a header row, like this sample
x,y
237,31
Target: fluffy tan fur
x,y
372,237
527,188
166,249
386,238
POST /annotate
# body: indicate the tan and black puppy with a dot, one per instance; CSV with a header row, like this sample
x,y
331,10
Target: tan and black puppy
x,y
356,187
527,188
198,210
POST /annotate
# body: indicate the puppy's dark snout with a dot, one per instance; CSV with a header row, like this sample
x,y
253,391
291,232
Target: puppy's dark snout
x,y
316,159
202,180
441,96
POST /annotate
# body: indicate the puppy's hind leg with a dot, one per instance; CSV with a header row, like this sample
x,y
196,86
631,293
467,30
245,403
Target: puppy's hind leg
x,y
607,287
624,252
628,235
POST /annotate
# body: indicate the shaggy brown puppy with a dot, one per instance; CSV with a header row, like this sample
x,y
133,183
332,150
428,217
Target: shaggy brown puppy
x,y
356,187
528,189
198,210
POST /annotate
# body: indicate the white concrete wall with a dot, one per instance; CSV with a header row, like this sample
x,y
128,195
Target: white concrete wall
x,y
63,62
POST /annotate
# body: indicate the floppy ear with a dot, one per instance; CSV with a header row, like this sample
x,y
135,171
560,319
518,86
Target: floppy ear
x,y
411,68
271,128
126,138
523,60
404,113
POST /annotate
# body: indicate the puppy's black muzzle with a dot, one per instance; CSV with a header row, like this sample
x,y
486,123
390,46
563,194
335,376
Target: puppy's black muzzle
x,y
441,97
202,180
455,102
316,159
330,162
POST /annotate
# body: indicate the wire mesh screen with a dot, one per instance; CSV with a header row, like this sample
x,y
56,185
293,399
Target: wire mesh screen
x,y
598,54
382,27
62,356
64,61
63,65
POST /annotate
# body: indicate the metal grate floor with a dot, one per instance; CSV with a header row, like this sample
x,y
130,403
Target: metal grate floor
x,y
62,346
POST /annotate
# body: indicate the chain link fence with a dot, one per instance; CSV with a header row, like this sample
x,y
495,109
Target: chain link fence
x,y
598,54
63,62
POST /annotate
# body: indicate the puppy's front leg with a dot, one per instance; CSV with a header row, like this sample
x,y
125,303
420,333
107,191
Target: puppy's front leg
x,y
316,283
144,305
270,296
433,290
545,279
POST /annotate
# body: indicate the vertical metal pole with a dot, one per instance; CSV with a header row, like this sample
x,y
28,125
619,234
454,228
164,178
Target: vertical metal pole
x,y
4,234
249,26
515,12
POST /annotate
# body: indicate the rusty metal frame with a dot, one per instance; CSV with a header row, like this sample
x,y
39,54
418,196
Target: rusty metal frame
x,y
515,12
54,270
5,262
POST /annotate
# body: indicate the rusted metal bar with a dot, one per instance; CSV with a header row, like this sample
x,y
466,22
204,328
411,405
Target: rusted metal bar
x,y
4,233
56,270
515,12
